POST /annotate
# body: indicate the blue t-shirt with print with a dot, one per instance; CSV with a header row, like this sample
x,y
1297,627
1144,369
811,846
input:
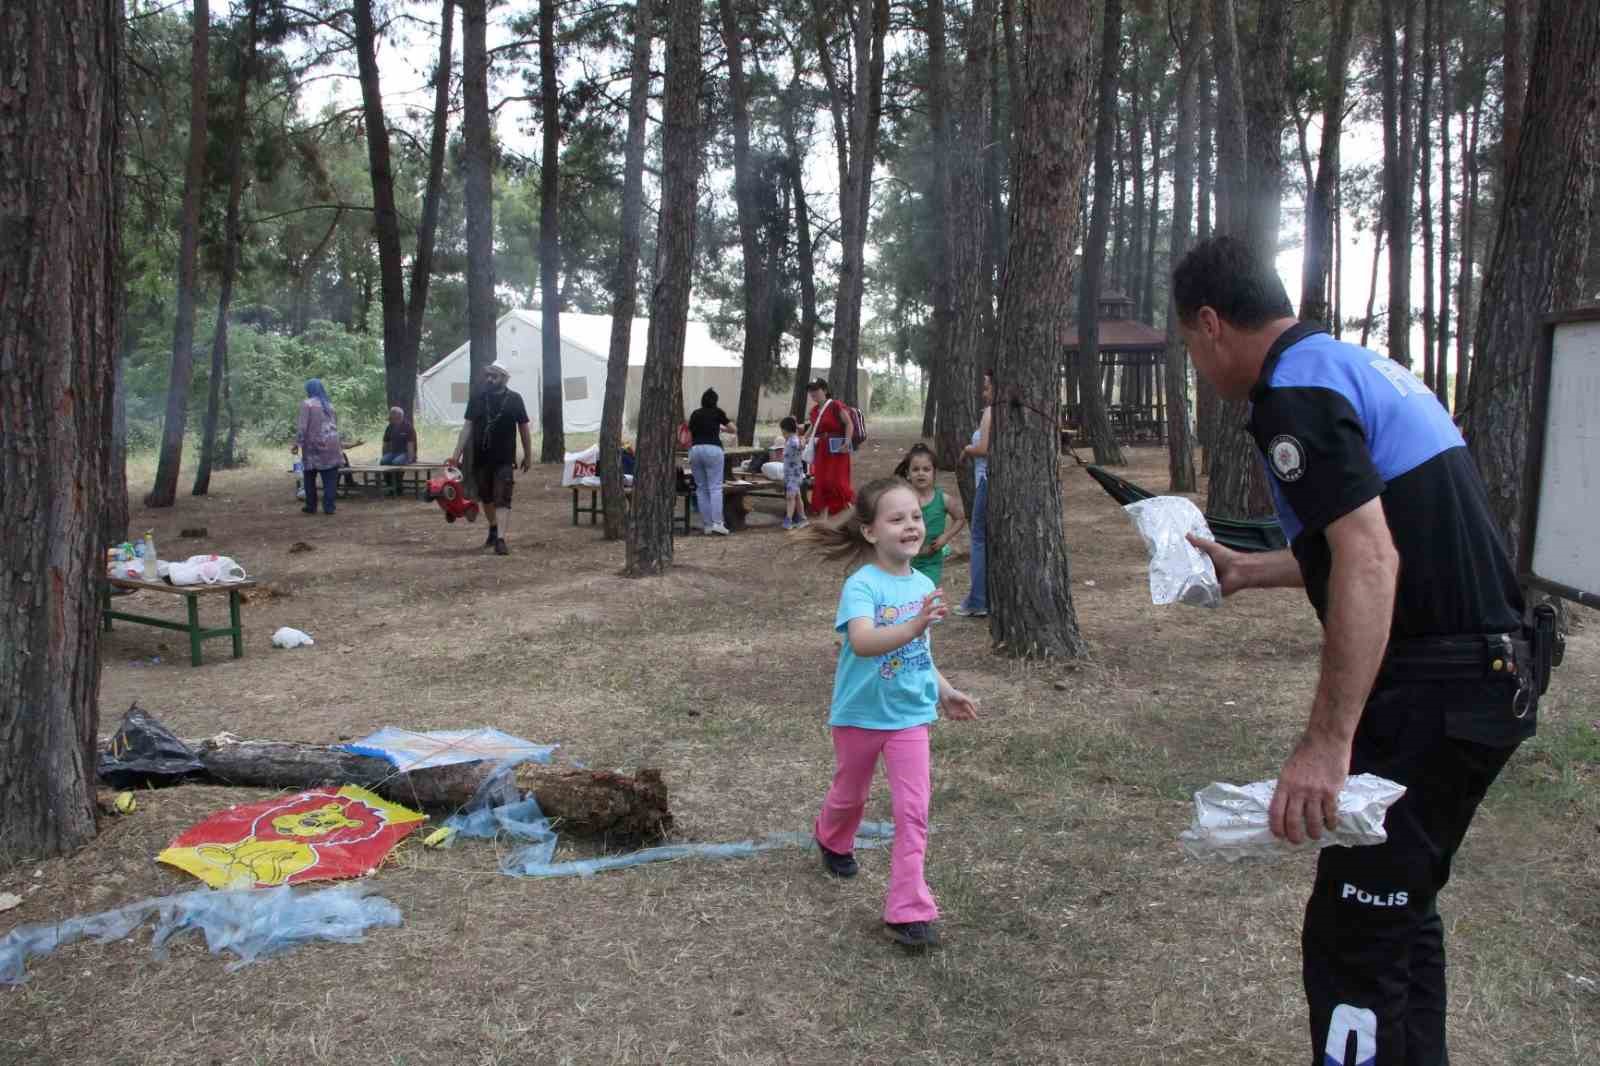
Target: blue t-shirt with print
x,y
897,690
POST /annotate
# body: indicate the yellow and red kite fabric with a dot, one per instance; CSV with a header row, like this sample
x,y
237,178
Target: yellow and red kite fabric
x,y
320,835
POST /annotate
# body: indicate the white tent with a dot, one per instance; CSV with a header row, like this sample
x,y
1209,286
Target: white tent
x,y
585,339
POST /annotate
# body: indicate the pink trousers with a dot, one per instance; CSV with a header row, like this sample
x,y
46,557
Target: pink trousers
x,y
905,763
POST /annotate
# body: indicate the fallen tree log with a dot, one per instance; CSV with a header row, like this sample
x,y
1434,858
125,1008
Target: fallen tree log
x,y
592,803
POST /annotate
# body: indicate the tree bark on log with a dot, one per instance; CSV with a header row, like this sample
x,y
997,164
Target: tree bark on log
x,y
591,803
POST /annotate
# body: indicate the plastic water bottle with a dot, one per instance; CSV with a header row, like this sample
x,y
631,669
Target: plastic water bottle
x,y
150,547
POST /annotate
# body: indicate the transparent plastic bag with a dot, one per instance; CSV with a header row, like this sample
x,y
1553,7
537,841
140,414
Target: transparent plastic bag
x,y
252,924
1230,821
1179,572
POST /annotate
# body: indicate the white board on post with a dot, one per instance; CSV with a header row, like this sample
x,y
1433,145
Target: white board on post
x,y
1560,548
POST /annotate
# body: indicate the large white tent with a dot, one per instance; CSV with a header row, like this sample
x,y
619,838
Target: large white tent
x,y
585,339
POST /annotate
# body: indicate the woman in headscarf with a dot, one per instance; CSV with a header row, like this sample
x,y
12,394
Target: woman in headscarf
x,y
830,468
317,440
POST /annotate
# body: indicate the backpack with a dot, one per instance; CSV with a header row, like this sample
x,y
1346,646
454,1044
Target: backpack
x,y
858,426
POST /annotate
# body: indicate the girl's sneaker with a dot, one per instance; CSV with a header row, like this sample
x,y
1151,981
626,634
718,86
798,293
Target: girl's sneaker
x,y
838,865
788,524
918,936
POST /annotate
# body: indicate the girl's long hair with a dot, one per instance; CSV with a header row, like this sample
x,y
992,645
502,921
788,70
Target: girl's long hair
x,y
919,448
319,392
845,541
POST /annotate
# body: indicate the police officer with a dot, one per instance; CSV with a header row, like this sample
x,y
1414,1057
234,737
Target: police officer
x,y
1425,674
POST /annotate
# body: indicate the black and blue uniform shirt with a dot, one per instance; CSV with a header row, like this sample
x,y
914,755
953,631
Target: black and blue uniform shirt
x,y
1338,425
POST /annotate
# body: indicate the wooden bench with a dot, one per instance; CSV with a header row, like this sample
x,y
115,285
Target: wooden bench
x,y
191,595
373,478
597,506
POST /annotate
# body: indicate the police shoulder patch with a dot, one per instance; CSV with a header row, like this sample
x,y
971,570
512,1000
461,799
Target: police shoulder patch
x,y
1287,456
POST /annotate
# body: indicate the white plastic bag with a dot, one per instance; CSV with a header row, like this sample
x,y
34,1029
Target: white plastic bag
x,y
1230,821
772,471
205,570
1179,572
578,467
286,637
128,570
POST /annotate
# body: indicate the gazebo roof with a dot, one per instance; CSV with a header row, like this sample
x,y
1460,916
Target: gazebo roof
x,y
1121,335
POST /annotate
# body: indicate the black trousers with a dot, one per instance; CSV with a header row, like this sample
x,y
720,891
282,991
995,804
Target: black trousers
x,y
1373,944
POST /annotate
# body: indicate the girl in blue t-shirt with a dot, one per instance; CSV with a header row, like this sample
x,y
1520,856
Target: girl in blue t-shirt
x,y
886,692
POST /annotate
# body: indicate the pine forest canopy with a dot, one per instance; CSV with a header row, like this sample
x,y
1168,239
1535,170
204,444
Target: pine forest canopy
x,y
313,289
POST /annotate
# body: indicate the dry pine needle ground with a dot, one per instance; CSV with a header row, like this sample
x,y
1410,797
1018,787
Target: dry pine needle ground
x,y
1075,931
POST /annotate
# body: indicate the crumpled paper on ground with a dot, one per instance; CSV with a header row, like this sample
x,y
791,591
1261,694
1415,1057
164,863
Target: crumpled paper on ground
x,y
288,637
1179,572
1230,821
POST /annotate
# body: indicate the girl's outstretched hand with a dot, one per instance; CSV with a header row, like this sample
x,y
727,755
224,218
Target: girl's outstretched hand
x,y
959,706
933,609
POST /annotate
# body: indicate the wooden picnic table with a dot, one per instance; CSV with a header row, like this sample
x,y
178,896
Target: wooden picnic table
x,y
191,595
373,478
731,457
738,500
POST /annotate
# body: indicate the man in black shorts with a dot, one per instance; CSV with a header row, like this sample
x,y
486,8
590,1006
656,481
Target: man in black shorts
x,y
1427,676
495,418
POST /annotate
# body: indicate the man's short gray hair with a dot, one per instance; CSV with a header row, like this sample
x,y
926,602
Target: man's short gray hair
x,y
401,411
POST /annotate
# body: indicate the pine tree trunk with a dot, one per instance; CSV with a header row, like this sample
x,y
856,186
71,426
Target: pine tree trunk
x,y
230,254
1233,206
856,109
1469,240
1514,81
625,279
1441,383
478,189
1180,442
1397,38
165,489
1203,148
746,194
795,173
553,439
399,380
953,403
1372,287
1032,612
970,249
1539,246
402,389
1425,189
1091,400
1266,97
1320,204
61,295
1147,295
655,480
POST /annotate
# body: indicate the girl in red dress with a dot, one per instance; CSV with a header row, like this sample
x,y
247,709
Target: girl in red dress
x,y
830,470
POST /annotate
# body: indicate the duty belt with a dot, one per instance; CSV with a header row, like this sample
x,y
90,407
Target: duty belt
x,y
1469,657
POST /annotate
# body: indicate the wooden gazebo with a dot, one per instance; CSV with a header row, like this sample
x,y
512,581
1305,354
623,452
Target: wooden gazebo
x,y
1132,381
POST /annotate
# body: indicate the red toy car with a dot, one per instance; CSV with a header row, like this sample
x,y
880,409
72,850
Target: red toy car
x,y
447,489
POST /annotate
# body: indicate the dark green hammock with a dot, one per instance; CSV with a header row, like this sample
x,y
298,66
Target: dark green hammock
x,y
1264,535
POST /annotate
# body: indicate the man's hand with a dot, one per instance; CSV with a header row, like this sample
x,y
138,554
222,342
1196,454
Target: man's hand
x,y
527,463
1307,797
959,707
1229,573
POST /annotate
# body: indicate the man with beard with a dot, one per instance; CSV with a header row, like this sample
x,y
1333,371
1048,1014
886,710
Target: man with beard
x,y
496,416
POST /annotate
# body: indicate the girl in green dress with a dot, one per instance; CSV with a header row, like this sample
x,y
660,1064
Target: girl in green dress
x,y
942,516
